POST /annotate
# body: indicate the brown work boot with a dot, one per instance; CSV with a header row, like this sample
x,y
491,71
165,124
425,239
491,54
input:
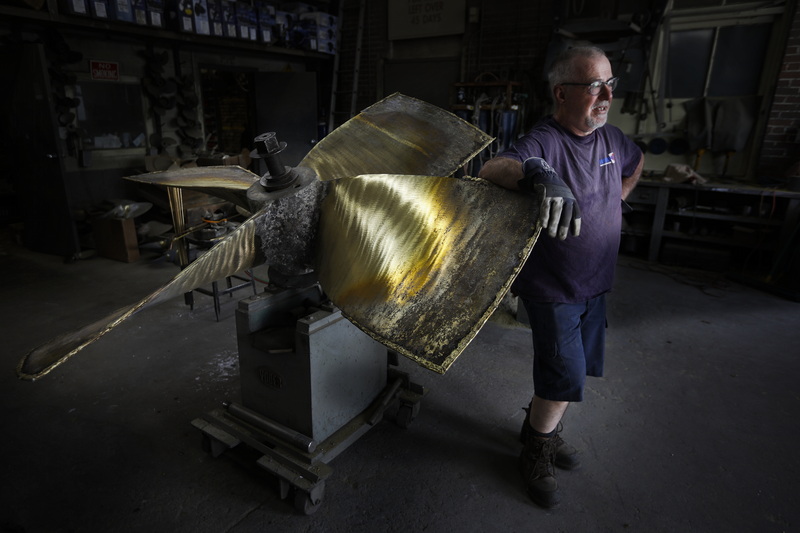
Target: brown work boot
x,y
537,465
567,457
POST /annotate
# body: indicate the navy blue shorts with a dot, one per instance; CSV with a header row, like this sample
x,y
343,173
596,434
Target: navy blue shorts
x,y
568,345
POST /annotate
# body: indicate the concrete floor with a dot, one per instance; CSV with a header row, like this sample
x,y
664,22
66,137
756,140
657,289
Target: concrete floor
x,y
694,429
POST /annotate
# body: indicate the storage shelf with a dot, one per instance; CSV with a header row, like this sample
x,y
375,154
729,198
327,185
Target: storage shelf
x,y
710,239
641,208
120,30
636,233
467,107
730,218
488,84
717,228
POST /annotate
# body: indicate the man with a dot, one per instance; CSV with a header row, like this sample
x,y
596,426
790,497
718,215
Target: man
x,y
587,169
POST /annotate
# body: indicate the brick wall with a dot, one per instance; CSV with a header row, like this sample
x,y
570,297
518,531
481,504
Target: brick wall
x,y
780,150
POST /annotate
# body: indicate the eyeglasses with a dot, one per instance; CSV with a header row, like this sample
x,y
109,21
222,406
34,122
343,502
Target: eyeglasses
x,y
594,87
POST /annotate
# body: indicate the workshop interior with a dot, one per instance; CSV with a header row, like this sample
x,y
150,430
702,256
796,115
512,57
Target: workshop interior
x,y
167,193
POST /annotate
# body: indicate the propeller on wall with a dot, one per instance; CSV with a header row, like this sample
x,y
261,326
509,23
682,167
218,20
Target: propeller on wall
x,y
414,257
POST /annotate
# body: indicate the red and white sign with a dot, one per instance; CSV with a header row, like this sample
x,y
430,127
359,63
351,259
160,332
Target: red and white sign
x,y
104,70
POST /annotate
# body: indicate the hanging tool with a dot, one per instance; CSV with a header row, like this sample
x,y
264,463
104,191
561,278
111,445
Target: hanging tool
x,y
698,127
733,120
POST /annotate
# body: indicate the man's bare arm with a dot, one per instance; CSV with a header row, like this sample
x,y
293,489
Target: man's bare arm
x,y
629,182
502,171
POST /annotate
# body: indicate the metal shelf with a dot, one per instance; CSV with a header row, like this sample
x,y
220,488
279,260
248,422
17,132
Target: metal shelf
x,y
710,239
730,218
125,31
735,232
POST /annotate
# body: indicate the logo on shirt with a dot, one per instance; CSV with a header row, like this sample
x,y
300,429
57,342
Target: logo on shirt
x,y
608,160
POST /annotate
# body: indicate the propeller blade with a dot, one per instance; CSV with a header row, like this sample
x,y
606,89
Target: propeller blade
x,y
397,135
238,251
420,263
228,182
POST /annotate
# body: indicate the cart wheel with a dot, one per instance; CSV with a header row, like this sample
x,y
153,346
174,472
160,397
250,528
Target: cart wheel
x,y
304,504
406,414
283,488
213,446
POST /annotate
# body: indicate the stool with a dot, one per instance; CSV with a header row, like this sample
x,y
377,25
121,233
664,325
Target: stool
x,y
175,195
216,292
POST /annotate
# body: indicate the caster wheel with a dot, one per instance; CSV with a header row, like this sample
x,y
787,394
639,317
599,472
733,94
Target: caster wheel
x,y
212,446
406,414
283,488
304,504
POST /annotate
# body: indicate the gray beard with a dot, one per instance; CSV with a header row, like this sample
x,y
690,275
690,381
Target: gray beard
x,y
593,123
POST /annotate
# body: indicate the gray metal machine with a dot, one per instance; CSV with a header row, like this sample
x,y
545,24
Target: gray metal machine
x,y
312,383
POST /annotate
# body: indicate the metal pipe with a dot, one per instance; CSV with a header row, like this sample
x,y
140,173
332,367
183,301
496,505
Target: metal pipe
x,y
293,437
383,400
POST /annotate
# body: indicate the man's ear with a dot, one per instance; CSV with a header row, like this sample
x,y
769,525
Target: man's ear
x,y
559,94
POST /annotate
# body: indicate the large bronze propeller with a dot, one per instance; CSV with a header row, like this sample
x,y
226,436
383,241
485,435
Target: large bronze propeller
x,y
416,258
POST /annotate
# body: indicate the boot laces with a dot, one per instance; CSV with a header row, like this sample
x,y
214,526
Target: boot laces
x,y
542,453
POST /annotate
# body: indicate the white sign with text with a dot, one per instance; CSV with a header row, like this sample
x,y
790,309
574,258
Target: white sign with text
x,y
410,19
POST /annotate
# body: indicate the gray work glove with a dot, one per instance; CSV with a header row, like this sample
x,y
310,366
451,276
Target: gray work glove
x,y
560,210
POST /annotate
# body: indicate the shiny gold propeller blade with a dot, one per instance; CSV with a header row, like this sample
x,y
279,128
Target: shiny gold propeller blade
x,y
420,263
397,135
240,250
227,182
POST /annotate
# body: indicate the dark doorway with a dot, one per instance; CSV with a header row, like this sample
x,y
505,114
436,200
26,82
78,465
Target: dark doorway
x,y
228,109
286,104
33,152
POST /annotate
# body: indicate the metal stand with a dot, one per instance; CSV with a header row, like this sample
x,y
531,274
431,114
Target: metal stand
x,y
309,391
216,292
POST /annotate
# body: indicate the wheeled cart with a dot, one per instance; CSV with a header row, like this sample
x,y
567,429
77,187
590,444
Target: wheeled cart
x,y
312,384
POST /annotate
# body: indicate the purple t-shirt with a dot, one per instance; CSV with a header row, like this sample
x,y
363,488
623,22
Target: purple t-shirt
x,y
578,268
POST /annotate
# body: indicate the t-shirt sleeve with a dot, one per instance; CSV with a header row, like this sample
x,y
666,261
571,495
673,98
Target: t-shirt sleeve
x,y
523,148
631,154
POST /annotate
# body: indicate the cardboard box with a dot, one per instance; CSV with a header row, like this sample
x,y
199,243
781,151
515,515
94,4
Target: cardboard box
x,y
99,8
200,14
248,21
322,19
121,10
326,46
265,9
328,34
155,13
139,12
75,7
115,238
266,31
180,15
284,21
296,7
215,18
230,26
266,23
